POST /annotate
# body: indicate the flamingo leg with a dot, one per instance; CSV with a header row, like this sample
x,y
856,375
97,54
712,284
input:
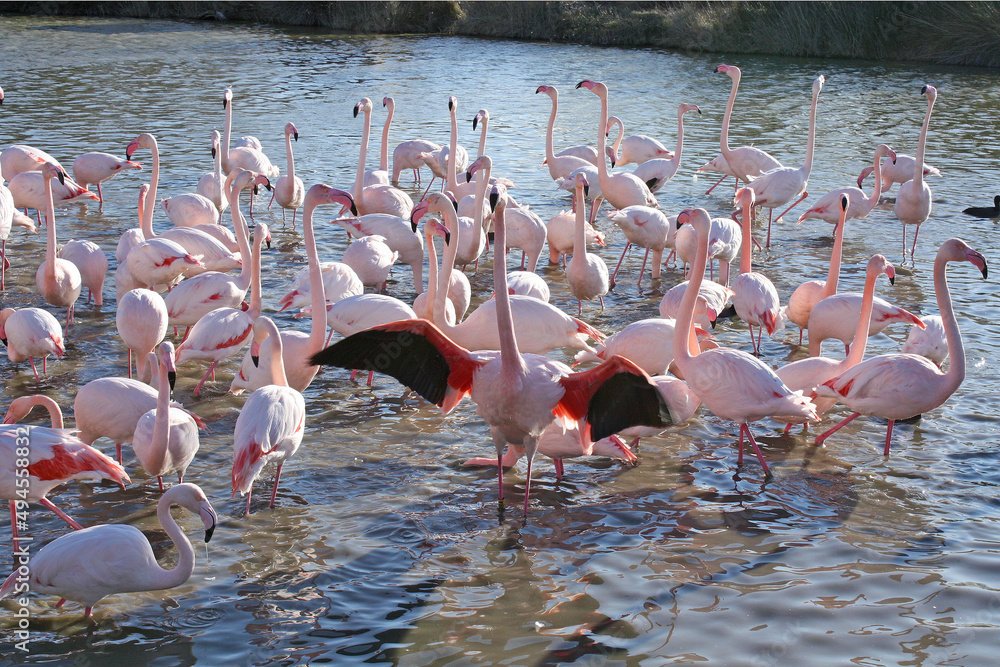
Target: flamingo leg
x,y
211,370
100,195
821,438
523,256
559,469
371,376
32,360
756,350
888,431
271,203
160,481
500,444
579,308
274,489
594,208
59,513
796,203
423,196
44,359
130,363
770,213
724,177
643,269
118,447
739,458
756,450
61,602
4,264
914,248
602,302
249,493
13,526
530,445
788,427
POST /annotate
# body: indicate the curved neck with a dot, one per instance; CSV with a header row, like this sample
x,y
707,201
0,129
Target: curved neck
x,y
618,141
686,344
290,159
240,229
811,142
877,192
510,358
185,552
956,348
918,168
154,178
55,414
383,154
860,342
359,178
317,332
447,265
724,137
452,174
549,152
833,273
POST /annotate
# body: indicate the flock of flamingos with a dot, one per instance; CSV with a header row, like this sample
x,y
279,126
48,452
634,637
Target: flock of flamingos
x,y
652,374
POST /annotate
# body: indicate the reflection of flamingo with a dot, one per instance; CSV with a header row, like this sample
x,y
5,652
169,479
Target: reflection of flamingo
x,y
518,395
754,296
99,167
166,438
622,189
289,191
271,424
30,333
58,280
780,185
828,206
913,202
87,565
900,386
731,383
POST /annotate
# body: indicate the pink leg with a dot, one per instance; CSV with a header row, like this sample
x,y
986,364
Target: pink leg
x,y
271,203
739,458
100,195
796,203
579,308
59,513
160,482
904,242
130,363
770,213
88,612
643,269
118,448
602,303
527,486
559,469
13,526
788,427
756,349
44,359
756,450
4,264
211,370
914,248
32,360
724,177
61,602
821,438
620,259
523,256
274,489
423,196
800,336
249,493
888,431
371,376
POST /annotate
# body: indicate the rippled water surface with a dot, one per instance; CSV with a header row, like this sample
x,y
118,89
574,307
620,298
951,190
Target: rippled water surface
x,y
382,547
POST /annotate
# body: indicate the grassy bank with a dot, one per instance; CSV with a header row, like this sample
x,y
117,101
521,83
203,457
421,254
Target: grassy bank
x,y
959,33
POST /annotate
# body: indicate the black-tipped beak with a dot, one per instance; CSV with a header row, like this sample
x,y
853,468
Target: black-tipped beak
x,y
451,104
172,379
699,111
678,223
208,533
355,110
923,91
295,135
268,242
454,202
892,280
586,191
62,177
213,151
843,202
468,176
413,225
447,238
256,189
256,360
129,151
4,341
579,84
354,209
494,198
224,102
475,122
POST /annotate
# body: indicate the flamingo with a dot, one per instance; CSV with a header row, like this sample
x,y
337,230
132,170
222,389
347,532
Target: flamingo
x,y
726,240
58,280
271,424
898,172
339,282
527,232
242,157
560,232
656,172
195,297
806,374
92,264
647,228
21,157
827,208
166,438
90,564
295,347
754,296
732,384
28,190
7,210
636,148
913,202
587,274
210,184
780,185
98,168
647,343
406,154
901,386
289,191
376,198
222,332
371,260
715,299
30,333
191,210
808,294
141,319
835,316
517,394
559,166
528,284
622,189
540,326
399,236
458,288
54,457
473,235
930,341
742,162
458,190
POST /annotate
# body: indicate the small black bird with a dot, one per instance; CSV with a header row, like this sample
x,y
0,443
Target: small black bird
x,y
985,211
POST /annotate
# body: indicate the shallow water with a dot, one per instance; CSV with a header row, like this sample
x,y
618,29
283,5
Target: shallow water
x,y
382,547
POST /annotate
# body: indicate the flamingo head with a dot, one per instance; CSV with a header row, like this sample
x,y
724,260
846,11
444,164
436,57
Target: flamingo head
x,y
452,103
930,92
290,131
434,226
19,409
4,314
144,140
1,96
745,197
227,97
324,194
364,106
684,108
165,357
481,162
595,87
263,233
864,174
845,203
733,71
498,193
50,171
418,212
263,328
388,102
483,116
818,84
191,497
968,254
581,183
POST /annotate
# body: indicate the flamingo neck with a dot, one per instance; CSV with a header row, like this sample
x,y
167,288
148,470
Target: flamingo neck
x,y
239,227
482,140
154,179
877,192
549,151
256,304
724,137
432,276
833,273
482,181
452,174
746,258
359,178
317,288
290,159
447,266
218,164
618,140
226,132
579,231
277,361
55,414
686,344
160,439
602,164
918,164
675,163
162,578
956,348
50,231
383,154
811,141
512,363
857,352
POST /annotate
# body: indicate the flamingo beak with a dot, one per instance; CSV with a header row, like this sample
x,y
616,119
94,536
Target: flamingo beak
x,y
62,177
586,191
213,151
355,110
210,519
172,379
475,121
295,135
494,198
255,358
468,176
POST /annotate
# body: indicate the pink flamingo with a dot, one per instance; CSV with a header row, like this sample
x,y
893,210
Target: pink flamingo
x,y
210,183
754,296
656,172
406,154
930,341
28,191
621,189
732,384
517,394
780,185
375,198
92,264
458,291
271,424
21,157
98,168
913,202
647,343
559,166
587,274
242,157
190,210
828,206
899,171
399,236
55,456
560,232
7,210
141,319
806,374
289,190
901,386
834,317
90,564
296,347
166,438
30,333
371,260
58,280
647,228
